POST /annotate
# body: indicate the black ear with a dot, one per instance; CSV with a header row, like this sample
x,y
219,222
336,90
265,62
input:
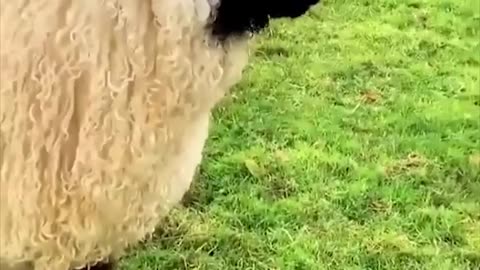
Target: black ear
x,y
290,9
238,17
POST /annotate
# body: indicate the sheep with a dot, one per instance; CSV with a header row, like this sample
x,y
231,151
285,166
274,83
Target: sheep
x,y
105,109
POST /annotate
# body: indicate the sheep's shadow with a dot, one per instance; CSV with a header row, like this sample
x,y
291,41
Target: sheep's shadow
x,y
196,197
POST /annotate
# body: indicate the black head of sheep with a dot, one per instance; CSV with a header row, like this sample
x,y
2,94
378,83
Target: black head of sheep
x,y
240,17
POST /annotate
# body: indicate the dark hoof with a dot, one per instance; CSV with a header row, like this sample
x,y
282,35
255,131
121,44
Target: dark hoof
x,y
102,266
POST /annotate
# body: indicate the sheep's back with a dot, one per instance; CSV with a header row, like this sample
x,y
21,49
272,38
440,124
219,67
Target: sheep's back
x,y
104,111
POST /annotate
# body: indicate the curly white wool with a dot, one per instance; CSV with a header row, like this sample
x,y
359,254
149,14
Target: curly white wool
x,y
104,112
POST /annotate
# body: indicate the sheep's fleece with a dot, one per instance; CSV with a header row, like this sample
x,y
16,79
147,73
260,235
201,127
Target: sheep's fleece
x,y
104,112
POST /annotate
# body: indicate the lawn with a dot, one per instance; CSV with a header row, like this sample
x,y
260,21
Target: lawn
x,y
352,142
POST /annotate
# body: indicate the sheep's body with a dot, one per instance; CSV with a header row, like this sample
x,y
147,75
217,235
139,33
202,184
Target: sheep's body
x,y
104,112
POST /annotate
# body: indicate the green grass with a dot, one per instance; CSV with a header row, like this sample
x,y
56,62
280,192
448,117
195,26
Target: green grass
x,y
353,142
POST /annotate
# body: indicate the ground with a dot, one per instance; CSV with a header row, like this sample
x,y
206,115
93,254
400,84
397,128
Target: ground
x,y
353,142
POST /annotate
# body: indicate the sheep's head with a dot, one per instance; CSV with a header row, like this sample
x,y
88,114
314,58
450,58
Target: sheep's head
x,y
240,17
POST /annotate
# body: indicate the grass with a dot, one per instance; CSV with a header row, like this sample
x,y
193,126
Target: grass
x,y
353,142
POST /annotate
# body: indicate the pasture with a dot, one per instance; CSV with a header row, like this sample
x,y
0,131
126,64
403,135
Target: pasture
x,y
352,142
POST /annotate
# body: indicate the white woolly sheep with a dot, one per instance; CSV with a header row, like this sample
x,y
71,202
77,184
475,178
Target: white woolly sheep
x,y
104,113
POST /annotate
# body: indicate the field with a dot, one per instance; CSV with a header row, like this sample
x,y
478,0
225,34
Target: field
x,y
353,142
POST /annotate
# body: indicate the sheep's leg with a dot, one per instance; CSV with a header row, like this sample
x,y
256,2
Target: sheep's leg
x,y
110,265
49,265
102,266
20,266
